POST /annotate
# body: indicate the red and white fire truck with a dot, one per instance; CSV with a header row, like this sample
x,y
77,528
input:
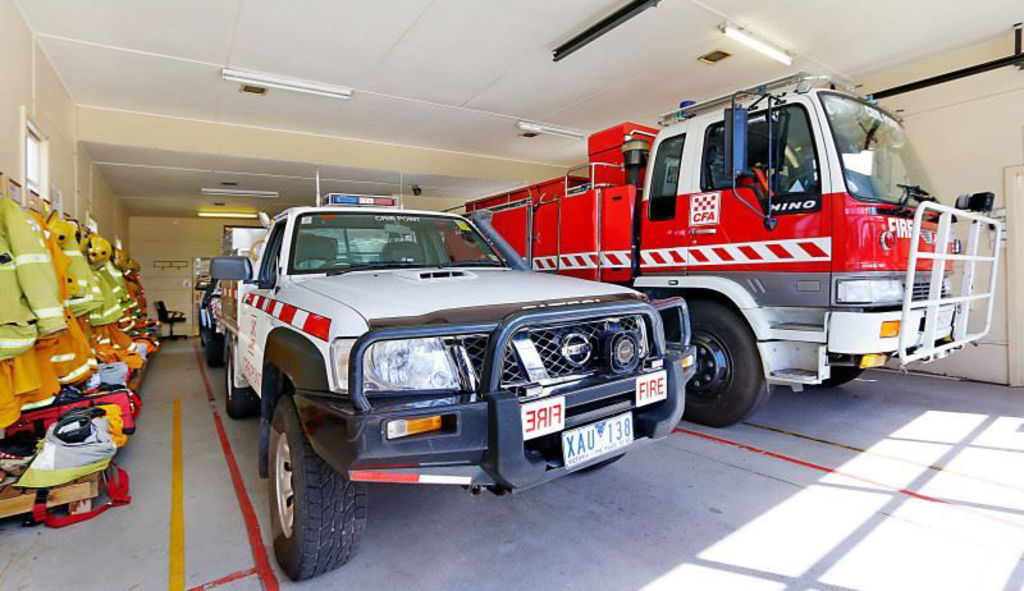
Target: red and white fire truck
x,y
807,249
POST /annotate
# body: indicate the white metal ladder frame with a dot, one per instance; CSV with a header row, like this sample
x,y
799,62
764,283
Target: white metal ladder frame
x,y
909,350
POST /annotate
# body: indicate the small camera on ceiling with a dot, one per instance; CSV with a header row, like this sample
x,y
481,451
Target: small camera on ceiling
x,y
417,190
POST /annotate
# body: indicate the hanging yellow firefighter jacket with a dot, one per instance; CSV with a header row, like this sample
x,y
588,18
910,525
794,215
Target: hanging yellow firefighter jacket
x,y
84,287
29,298
68,352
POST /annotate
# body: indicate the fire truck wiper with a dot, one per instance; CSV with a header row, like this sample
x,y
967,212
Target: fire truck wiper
x,y
913,192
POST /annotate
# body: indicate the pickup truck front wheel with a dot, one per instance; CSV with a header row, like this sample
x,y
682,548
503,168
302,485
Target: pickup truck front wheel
x,y
317,515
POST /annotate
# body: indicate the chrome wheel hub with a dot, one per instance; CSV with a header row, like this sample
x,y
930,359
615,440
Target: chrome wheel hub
x,y
283,485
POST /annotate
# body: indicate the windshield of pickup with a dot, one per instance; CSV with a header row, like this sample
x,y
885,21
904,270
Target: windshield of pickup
x,y
325,242
876,155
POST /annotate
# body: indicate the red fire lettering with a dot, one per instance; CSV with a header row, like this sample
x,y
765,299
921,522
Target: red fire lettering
x,y
531,420
542,418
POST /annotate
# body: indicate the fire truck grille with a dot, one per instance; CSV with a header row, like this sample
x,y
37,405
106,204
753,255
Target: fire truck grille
x,y
548,342
921,287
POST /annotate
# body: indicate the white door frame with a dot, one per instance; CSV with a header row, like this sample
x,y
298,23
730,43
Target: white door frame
x,y
1015,270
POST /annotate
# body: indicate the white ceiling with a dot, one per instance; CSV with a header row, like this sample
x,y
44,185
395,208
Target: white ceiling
x,y
456,74
161,182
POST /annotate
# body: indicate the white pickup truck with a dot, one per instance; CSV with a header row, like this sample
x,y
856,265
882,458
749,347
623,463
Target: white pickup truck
x,y
387,345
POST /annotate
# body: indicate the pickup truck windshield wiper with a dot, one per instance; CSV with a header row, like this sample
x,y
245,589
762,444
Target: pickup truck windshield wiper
x,y
476,263
373,266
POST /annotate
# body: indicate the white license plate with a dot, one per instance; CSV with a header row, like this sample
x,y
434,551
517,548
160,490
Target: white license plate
x,y
543,417
596,439
651,388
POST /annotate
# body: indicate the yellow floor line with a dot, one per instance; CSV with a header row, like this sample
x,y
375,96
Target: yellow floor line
x,y
176,575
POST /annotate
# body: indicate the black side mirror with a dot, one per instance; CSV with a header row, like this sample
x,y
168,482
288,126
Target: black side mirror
x,y
735,141
231,268
979,202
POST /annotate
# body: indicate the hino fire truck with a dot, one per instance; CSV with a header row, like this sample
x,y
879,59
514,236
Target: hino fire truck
x,y
794,218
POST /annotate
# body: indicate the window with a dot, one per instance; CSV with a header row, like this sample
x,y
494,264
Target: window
x,y
325,242
795,158
35,160
268,269
878,159
665,179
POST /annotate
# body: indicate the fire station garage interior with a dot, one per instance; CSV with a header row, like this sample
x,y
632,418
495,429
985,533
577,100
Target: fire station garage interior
x,y
449,294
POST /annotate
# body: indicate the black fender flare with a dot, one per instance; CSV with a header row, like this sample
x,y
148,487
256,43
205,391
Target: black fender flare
x,y
288,355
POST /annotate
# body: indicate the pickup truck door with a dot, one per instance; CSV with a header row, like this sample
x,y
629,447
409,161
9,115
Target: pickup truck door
x,y
254,324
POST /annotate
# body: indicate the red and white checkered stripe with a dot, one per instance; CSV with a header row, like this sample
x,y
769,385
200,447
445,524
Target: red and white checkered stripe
x,y
308,322
545,263
800,250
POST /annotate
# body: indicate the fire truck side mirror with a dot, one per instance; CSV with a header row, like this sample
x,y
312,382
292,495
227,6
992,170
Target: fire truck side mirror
x,y
735,142
231,268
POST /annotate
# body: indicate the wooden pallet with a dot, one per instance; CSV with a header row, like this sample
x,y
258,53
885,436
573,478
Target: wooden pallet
x,y
78,495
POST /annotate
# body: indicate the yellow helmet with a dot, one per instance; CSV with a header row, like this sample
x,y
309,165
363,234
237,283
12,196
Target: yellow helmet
x,y
61,228
97,249
133,266
119,258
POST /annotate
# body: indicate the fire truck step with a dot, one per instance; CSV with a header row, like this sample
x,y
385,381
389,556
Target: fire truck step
x,y
793,374
798,326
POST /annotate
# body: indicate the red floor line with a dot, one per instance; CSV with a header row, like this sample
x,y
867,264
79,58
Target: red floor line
x,y
806,464
252,525
224,580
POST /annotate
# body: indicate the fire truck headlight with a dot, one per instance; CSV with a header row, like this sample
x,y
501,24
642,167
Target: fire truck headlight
x,y
869,291
413,364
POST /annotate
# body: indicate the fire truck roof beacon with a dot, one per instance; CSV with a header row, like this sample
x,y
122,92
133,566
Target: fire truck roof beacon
x,y
757,44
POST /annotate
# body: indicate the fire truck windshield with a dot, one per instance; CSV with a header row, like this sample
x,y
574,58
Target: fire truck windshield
x,y
876,154
347,241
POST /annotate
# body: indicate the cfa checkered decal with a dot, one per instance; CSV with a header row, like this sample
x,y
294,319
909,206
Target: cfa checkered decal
x,y
705,208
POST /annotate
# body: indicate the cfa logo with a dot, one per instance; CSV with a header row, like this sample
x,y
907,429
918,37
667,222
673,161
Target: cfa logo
x,y
705,208
901,227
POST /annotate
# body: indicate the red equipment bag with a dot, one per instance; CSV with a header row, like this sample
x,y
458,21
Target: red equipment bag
x,y
38,420
116,479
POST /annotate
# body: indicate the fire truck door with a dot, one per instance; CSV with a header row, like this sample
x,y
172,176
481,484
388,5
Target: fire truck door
x,y
727,229
664,232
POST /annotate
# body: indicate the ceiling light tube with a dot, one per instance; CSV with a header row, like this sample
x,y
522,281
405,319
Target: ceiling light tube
x,y
217,192
286,83
247,215
757,44
532,127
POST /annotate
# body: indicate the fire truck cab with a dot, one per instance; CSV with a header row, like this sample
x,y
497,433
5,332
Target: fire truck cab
x,y
808,249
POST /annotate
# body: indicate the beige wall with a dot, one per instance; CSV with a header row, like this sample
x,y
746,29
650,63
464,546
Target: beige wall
x,y
32,90
968,133
156,240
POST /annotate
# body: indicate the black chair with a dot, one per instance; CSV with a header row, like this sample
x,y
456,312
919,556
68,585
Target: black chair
x,y
169,317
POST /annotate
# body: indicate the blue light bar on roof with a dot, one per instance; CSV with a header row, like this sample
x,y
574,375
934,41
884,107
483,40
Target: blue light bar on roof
x,y
342,199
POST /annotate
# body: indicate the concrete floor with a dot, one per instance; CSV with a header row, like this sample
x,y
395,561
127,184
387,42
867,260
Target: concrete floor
x,y
913,482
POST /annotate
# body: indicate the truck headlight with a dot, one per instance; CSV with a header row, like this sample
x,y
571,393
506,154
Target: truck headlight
x,y
413,364
869,291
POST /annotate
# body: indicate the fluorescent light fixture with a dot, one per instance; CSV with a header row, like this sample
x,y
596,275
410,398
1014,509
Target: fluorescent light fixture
x,y
757,44
535,128
218,192
285,83
247,215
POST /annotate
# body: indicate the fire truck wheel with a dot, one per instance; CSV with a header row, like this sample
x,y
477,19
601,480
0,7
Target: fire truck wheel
x,y
729,384
840,375
239,403
317,515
